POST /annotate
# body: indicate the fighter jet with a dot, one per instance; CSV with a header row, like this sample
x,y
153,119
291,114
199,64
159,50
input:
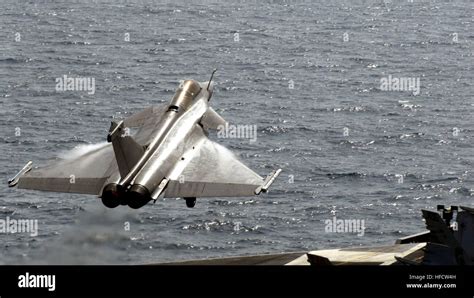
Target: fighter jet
x,y
169,155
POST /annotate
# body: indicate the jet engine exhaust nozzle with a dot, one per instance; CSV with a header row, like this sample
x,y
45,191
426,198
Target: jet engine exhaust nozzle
x,y
139,196
112,195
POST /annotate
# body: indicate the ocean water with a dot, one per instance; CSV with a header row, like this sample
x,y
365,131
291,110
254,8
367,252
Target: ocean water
x,y
307,74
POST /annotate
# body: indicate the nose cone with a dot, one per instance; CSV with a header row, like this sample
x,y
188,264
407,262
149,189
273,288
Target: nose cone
x,y
185,94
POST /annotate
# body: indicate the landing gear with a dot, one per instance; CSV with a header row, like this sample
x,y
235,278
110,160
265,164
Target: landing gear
x,y
190,202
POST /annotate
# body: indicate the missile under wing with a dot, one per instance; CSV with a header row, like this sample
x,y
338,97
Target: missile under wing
x,y
170,155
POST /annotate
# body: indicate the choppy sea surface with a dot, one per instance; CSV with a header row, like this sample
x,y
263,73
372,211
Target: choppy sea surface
x,y
307,74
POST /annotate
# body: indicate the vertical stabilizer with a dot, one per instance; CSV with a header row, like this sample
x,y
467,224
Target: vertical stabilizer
x,y
127,151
